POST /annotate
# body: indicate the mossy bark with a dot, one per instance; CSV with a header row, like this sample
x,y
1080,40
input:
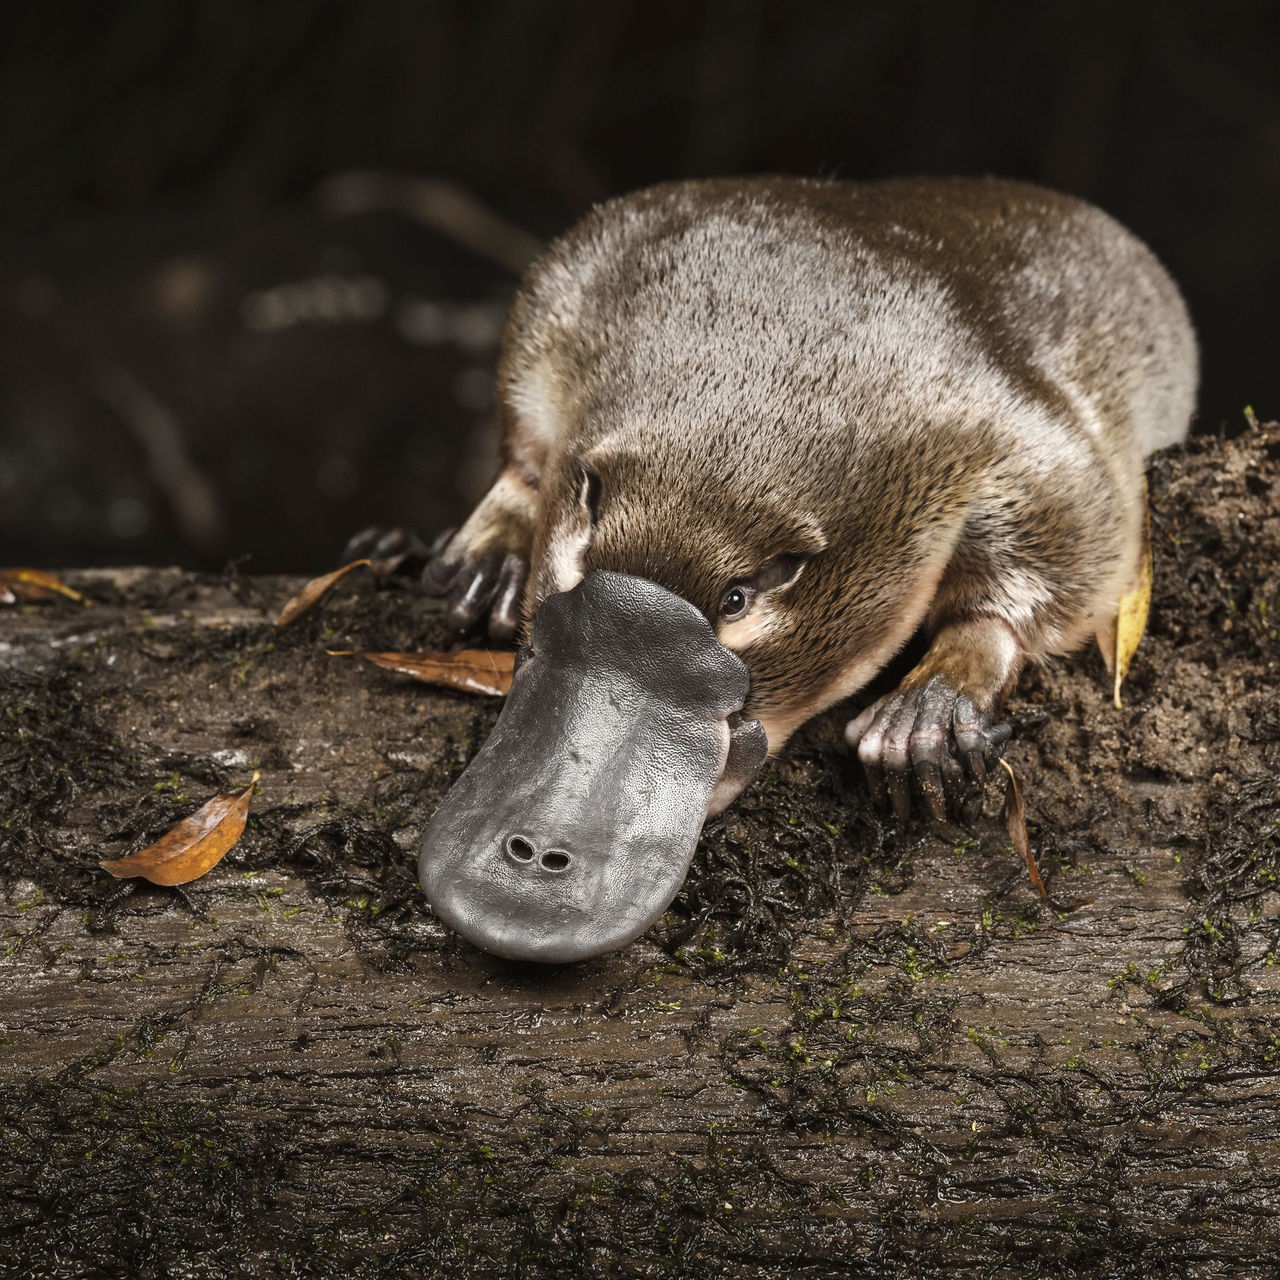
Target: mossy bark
x,y
853,1047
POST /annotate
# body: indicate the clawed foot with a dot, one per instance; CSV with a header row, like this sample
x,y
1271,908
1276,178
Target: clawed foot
x,y
476,584
928,739
395,550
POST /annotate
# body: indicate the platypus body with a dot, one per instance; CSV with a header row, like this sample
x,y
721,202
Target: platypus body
x,y
809,418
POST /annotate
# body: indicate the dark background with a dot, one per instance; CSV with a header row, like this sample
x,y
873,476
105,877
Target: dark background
x,y
202,359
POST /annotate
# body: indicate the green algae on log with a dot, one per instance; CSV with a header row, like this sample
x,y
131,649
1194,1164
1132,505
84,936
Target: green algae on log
x,y
852,1047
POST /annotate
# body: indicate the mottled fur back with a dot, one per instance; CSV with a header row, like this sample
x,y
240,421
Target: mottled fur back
x,y
947,387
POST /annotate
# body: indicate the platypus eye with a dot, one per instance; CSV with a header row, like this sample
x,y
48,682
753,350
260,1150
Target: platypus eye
x,y
735,602
781,571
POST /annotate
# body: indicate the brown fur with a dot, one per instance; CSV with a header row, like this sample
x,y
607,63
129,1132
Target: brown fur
x,y
939,391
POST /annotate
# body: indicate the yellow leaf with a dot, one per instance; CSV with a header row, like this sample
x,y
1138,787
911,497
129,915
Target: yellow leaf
x,y
1119,636
1131,618
313,591
35,584
196,845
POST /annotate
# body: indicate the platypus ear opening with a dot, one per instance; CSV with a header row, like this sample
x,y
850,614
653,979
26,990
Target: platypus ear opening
x,y
781,571
590,490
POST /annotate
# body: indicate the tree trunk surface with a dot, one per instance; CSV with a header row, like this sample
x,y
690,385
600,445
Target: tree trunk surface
x,y
853,1047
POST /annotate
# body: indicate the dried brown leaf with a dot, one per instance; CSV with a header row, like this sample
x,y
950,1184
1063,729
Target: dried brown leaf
x,y
1015,821
486,671
196,845
29,585
314,591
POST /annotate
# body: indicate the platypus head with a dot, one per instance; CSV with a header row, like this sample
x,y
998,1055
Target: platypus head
x,y
573,828
683,618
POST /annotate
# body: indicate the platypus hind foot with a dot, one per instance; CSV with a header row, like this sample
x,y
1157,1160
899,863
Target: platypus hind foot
x,y
397,547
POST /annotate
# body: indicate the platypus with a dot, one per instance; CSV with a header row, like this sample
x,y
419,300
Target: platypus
x,y
791,422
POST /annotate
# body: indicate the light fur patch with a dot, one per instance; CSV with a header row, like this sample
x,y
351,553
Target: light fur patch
x,y
538,408
1021,599
760,622
1086,415
566,556
509,495
1004,647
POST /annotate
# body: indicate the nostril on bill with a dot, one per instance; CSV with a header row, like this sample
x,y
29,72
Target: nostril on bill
x,y
555,860
520,849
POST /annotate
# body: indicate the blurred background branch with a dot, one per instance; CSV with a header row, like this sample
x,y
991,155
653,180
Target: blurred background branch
x,y
159,165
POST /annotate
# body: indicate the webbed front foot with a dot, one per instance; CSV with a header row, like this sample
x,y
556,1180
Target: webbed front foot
x,y
478,583
482,570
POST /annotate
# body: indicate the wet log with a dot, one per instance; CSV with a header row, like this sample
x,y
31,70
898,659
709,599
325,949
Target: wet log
x,y
853,1047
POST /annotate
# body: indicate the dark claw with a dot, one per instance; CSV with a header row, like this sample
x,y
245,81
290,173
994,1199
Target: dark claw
x,y
929,775
441,541
380,543
440,571
359,546
876,785
900,794
953,777
504,617
488,582
928,740
980,741
439,575
474,590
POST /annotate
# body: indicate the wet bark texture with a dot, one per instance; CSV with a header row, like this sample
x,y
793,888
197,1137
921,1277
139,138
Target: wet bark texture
x,y
852,1048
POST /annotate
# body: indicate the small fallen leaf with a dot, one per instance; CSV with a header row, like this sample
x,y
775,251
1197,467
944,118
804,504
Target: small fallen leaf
x,y
28,585
1015,822
314,591
196,845
1119,639
1131,620
487,671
